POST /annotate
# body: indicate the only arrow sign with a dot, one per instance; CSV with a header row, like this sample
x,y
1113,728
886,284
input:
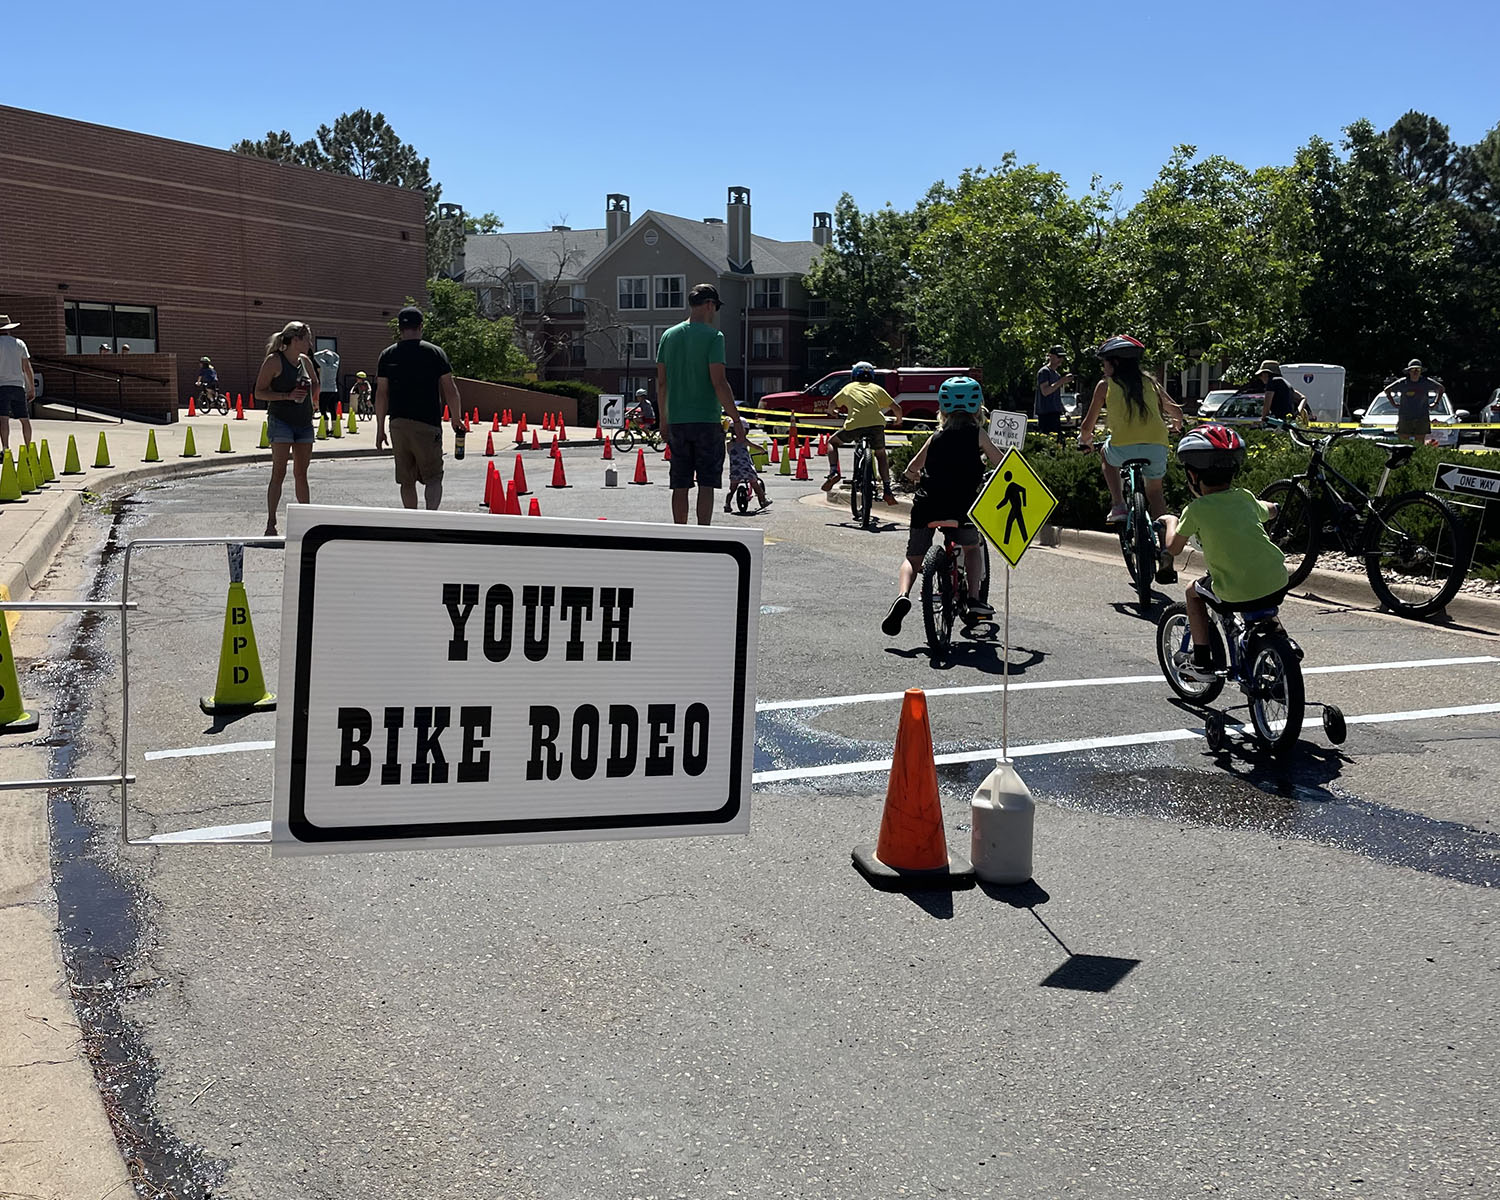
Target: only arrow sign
x,y
1472,481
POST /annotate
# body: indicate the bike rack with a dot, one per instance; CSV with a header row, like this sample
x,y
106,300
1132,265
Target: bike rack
x,y
125,606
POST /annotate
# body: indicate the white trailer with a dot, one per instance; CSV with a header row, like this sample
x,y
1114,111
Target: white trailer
x,y
1322,384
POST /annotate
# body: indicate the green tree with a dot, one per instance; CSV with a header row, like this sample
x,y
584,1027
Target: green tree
x,y
478,347
1009,263
364,145
488,223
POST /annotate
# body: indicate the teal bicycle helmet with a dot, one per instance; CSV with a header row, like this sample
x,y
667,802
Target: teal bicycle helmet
x,y
960,394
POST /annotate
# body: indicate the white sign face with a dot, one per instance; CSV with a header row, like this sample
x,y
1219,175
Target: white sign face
x,y
1007,429
515,679
611,411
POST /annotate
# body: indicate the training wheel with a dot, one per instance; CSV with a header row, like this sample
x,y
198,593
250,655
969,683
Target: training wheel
x,y
1334,726
1213,732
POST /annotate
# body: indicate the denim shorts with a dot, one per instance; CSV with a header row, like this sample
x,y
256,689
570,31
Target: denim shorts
x,y
13,403
1154,454
280,431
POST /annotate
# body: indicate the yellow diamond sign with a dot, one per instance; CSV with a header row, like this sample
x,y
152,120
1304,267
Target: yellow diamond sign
x,y
1012,506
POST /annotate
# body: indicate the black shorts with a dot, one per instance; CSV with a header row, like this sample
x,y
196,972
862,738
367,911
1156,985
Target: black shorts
x,y
1204,586
919,539
328,402
847,437
697,452
13,402
1049,422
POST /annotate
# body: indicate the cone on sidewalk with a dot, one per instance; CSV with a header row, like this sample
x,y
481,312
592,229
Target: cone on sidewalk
x,y
518,477
224,446
489,445
101,456
250,402
14,716
189,447
265,436
546,422
559,476
609,450
70,463
640,468
535,510
598,431
239,408
495,424
336,426
241,687
192,406
562,428
151,454
521,430
353,423
911,853
48,473
10,479
25,471
775,453
322,434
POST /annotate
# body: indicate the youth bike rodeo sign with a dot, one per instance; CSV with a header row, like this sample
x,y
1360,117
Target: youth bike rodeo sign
x,y
470,680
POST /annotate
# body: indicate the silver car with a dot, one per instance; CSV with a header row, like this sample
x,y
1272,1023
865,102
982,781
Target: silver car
x,y
1379,420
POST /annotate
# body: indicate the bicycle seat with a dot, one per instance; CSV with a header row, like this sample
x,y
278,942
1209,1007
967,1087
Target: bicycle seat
x,y
1396,453
1135,462
1260,614
942,524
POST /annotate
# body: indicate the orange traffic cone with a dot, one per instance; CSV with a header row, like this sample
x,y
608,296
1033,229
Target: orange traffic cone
x,y
802,465
535,510
489,482
497,494
912,851
552,453
519,478
547,422
250,402
562,427
598,431
823,445
666,452
521,430
609,450
489,445
446,417
192,406
791,434
775,453
559,477
495,424
640,468
513,499
239,408
536,442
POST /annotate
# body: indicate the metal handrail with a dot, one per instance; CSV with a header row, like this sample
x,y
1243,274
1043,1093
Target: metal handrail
x,y
76,369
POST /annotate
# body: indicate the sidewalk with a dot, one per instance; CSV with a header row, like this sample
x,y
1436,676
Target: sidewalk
x,y
57,1139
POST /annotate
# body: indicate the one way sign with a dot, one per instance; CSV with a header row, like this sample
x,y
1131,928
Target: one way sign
x,y
1472,481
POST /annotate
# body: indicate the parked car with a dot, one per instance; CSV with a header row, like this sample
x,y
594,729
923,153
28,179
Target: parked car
x,y
1379,420
1488,415
1211,403
1237,408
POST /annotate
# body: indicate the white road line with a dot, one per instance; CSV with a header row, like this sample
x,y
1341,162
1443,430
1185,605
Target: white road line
x,y
201,751
212,832
1043,749
1102,681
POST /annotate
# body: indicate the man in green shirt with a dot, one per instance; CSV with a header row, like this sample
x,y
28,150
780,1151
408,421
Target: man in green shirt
x,y
692,394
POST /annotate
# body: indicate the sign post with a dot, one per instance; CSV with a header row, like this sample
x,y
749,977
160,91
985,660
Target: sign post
x,y
1010,510
530,680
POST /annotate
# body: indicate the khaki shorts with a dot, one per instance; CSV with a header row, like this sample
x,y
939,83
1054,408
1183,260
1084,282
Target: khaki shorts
x,y
418,447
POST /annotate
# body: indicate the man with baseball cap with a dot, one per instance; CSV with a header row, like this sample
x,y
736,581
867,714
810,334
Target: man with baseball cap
x,y
17,383
1050,381
1415,395
414,381
692,394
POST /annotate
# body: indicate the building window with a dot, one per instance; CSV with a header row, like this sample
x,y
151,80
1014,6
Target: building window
x,y
633,291
765,343
817,310
669,289
523,296
630,384
90,325
580,294
577,352
635,342
768,294
764,385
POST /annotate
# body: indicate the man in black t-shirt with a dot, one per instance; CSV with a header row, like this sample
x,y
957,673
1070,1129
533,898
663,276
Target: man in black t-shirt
x,y
1282,399
414,381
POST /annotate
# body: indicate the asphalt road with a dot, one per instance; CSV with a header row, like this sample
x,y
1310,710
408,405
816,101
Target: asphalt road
x,y
1230,977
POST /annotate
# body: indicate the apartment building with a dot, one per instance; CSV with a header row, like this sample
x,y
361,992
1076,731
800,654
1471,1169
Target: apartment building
x,y
591,304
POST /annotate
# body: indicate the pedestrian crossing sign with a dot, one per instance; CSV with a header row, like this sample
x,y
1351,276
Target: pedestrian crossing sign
x,y
1012,506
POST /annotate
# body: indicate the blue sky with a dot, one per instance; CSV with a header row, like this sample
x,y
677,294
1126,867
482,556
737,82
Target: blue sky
x,y
537,111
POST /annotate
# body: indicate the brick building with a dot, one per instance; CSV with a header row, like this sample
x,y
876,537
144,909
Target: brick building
x,y
113,238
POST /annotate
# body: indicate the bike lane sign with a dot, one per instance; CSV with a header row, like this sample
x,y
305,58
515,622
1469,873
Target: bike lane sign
x,y
1007,429
1013,506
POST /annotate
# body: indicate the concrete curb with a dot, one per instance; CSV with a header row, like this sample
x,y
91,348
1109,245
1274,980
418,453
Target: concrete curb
x,y
1346,588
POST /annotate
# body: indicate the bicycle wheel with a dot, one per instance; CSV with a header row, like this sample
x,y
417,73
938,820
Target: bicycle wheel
x,y
1134,532
1295,529
861,489
1173,641
653,438
624,440
366,408
1273,681
938,601
742,498
1416,554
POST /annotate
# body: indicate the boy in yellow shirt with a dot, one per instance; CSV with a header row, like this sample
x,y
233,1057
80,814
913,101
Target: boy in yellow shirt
x,y
866,403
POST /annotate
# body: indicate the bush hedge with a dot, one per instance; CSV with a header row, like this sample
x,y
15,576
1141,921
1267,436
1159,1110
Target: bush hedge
x,y
586,394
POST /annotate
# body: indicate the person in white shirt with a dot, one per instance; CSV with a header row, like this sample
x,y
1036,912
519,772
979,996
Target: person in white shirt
x,y
328,381
17,383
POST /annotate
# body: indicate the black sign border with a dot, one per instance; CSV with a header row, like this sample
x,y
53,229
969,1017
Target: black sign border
x,y
304,830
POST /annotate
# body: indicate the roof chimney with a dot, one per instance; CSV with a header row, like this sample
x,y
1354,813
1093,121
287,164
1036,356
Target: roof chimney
x,y
737,217
616,216
822,228
562,229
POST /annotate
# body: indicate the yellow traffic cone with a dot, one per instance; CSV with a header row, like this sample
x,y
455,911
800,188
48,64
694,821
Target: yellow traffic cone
x,y
151,454
189,446
241,686
322,434
224,446
353,422
101,458
335,427
265,436
10,480
70,464
38,476
23,471
13,715
47,472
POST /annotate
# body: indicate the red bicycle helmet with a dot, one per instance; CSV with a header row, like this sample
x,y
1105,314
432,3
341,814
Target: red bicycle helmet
x,y
1210,448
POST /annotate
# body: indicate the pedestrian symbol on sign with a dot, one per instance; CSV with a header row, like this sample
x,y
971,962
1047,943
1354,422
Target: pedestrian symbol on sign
x,y
1012,506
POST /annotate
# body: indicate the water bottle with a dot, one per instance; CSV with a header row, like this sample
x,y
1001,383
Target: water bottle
x,y
458,443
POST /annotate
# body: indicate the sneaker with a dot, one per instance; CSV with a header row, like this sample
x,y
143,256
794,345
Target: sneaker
x,y
1191,672
1116,515
980,611
832,481
890,498
764,504
1165,571
900,606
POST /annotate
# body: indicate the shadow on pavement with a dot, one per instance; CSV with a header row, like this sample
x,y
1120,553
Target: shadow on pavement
x,y
1078,972
977,655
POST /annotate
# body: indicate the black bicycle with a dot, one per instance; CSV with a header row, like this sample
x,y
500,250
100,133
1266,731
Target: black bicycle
x,y
211,399
945,588
365,405
1140,537
1415,549
862,482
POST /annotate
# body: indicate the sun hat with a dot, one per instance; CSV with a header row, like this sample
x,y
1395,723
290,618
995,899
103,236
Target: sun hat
x,y
6,324
1269,365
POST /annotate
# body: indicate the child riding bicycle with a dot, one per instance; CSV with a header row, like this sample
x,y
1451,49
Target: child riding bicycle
x,y
1246,571
1137,426
949,474
742,468
866,403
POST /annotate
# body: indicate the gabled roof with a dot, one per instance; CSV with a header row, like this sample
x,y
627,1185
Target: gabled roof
x,y
767,256
493,255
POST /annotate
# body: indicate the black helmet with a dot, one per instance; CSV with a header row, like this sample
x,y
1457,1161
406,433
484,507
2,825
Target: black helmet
x,y
1120,346
1212,448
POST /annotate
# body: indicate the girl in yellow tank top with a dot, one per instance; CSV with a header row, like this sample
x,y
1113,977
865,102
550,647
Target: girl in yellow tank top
x,y
1137,412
